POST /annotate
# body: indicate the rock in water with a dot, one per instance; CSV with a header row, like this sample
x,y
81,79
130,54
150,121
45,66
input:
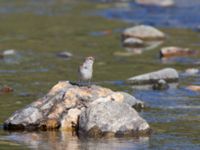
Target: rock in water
x,y
105,117
161,3
168,74
9,52
62,106
176,51
192,71
65,54
6,89
143,32
140,38
160,85
194,88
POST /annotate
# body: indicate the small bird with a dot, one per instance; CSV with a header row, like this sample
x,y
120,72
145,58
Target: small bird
x,y
86,70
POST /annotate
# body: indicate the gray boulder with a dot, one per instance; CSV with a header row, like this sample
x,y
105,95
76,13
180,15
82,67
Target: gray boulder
x,y
26,116
168,74
110,118
143,32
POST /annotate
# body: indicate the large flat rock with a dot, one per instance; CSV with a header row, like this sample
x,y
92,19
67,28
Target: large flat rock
x,y
168,74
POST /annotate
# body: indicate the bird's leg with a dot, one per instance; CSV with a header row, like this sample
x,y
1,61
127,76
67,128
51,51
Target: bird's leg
x,y
79,82
89,83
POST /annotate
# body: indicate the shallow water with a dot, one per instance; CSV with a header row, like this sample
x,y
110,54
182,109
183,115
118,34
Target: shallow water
x,y
39,30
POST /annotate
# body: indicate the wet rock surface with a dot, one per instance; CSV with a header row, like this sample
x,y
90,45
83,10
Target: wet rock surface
x,y
167,74
62,106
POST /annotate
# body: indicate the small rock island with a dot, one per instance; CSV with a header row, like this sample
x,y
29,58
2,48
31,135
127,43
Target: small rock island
x,y
90,111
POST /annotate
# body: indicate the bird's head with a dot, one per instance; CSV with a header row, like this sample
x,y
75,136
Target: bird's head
x,y
91,58
89,61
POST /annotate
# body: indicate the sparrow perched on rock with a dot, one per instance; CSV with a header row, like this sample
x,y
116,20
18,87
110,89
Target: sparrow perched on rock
x,y
86,69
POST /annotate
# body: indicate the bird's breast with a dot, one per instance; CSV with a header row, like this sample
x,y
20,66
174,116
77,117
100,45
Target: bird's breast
x,y
86,73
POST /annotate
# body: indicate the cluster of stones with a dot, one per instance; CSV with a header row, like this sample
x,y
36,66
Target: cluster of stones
x,y
139,38
93,111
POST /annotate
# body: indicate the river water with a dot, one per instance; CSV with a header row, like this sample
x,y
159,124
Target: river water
x,y
39,29
184,14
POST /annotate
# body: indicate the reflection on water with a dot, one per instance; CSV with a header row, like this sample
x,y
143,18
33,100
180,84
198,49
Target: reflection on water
x,y
63,140
149,45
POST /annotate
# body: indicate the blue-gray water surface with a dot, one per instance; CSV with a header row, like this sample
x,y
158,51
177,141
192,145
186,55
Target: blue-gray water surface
x,y
184,14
